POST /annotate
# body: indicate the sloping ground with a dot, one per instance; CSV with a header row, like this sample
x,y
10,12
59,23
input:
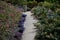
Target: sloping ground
x,y
9,17
29,32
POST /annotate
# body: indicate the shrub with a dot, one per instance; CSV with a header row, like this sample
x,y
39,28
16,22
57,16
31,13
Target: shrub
x,y
9,17
48,5
31,4
38,11
18,2
48,25
40,4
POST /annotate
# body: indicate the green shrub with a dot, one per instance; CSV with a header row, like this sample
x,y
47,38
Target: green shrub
x,y
40,4
53,1
48,5
16,2
9,17
31,4
48,25
38,11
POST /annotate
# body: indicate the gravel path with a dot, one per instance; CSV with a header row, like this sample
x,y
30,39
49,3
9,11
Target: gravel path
x,y
29,32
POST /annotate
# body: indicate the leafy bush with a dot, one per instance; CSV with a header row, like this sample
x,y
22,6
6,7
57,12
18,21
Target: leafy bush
x,y
18,2
53,1
48,25
38,11
9,17
31,4
40,4
48,5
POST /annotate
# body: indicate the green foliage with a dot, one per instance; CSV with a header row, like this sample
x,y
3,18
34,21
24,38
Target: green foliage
x,y
37,11
31,4
40,4
50,0
9,17
48,25
53,1
48,5
18,2
45,4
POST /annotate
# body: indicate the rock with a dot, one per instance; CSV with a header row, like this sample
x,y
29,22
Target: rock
x,y
21,30
18,35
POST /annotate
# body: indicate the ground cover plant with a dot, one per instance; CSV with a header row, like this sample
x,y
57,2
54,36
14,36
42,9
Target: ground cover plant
x,y
9,17
48,25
